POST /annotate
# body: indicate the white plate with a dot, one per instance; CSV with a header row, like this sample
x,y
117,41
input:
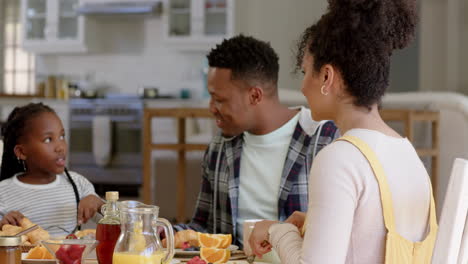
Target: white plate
x,y
183,253
35,261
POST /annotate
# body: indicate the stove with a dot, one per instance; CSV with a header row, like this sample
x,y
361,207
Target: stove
x,y
125,138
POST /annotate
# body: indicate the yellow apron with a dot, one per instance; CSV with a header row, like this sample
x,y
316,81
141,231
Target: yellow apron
x,y
398,250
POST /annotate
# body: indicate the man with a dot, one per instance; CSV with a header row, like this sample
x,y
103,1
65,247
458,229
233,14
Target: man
x,y
258,168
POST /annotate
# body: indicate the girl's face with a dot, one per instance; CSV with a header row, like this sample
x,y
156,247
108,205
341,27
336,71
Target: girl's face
x,y
43,144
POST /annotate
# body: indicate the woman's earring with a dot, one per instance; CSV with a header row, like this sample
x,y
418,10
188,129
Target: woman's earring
x,y
20,161
322,90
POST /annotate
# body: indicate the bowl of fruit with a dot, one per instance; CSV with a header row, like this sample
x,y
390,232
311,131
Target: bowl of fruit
x,y
70,251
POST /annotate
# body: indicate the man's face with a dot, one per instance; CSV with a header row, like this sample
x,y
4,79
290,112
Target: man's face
x,y
229,102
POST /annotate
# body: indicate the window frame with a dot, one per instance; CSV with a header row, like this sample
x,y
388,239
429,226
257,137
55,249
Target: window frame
x,y
13,47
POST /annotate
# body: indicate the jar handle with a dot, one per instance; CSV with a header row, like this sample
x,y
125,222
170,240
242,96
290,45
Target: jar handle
x,y
169,237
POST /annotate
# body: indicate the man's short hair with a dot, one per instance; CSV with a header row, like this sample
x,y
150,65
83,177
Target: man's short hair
x,y
249,59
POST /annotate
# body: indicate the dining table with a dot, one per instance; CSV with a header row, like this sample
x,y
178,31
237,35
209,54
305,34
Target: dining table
x,y
94,261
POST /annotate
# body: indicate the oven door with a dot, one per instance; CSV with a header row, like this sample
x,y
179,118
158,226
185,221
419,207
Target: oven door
x,y
125,166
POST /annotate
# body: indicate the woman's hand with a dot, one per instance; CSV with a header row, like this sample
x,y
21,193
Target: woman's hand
x,y
88,207
297,219
12,218
259,238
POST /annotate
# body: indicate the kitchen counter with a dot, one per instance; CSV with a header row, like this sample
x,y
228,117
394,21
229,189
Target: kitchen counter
x,y
170,103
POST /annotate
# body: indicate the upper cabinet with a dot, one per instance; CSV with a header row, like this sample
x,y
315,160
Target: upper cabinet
x,y
197,24
52,26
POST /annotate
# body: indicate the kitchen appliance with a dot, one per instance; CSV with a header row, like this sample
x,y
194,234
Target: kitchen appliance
x,y
123,169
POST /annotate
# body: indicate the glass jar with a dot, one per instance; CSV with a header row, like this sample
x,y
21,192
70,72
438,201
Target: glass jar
x,y
10,251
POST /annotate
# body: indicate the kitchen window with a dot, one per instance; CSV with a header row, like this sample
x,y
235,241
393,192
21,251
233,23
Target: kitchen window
x,y
18,67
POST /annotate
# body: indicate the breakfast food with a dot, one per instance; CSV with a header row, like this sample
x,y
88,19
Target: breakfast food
x,y
70,254
87,233
11,230
39,252
31,238
184,239
215,255
196,260
214,240
35,236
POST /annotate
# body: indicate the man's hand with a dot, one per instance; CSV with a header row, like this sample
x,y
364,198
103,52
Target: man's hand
x,y
297,219
88,207
12,218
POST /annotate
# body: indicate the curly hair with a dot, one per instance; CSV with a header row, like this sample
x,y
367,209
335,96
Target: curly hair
x,y
358,38
249,59
13,129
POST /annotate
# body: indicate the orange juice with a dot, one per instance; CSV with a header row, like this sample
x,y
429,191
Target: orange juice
x,y
127,258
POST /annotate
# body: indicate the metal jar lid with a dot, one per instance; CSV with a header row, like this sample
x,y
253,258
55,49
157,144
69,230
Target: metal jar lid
x,y
10,241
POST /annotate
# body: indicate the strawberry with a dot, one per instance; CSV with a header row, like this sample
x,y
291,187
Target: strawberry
x,y
71,236
62,255
75,252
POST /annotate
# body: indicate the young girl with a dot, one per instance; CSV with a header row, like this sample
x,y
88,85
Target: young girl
x,y
33,179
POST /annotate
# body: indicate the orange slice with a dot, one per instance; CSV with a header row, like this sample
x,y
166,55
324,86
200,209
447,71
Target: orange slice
x,y
214,240
227,240
47,254
215,255
209,240
36,253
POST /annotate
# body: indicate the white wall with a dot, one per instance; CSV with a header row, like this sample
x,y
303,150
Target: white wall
x,y
443,39
463,63
281,23
130,54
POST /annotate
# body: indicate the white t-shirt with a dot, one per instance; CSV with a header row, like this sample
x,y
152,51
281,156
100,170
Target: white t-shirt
x,y
50,205
344,218
261,167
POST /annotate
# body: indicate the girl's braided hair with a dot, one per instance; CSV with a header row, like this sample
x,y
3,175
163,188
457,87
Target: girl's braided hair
x,y
12,131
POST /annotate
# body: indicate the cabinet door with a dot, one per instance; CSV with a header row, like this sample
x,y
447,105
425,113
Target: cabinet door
x,y
53,26
215,13
35,19
197,24
180,18
68,20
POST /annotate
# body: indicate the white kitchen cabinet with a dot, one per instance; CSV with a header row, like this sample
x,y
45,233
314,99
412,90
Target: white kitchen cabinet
x,y
52,26
197,24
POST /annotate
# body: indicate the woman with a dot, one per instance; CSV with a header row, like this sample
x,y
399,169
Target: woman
x,y
345,58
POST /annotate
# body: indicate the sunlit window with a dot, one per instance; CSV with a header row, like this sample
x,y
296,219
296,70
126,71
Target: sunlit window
x,y
18,65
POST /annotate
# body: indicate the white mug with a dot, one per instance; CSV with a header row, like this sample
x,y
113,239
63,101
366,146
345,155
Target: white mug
x,y
248,227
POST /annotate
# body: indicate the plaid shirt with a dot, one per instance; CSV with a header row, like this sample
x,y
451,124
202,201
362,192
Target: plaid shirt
x,y
293,194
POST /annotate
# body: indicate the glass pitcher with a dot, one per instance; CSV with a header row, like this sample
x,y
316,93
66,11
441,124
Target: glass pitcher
x,y
138,242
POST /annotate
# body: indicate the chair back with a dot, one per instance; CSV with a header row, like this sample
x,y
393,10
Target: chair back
x,y
452,237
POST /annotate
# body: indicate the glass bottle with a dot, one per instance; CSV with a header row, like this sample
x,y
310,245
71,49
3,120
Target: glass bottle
x,y
10,251
108,229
